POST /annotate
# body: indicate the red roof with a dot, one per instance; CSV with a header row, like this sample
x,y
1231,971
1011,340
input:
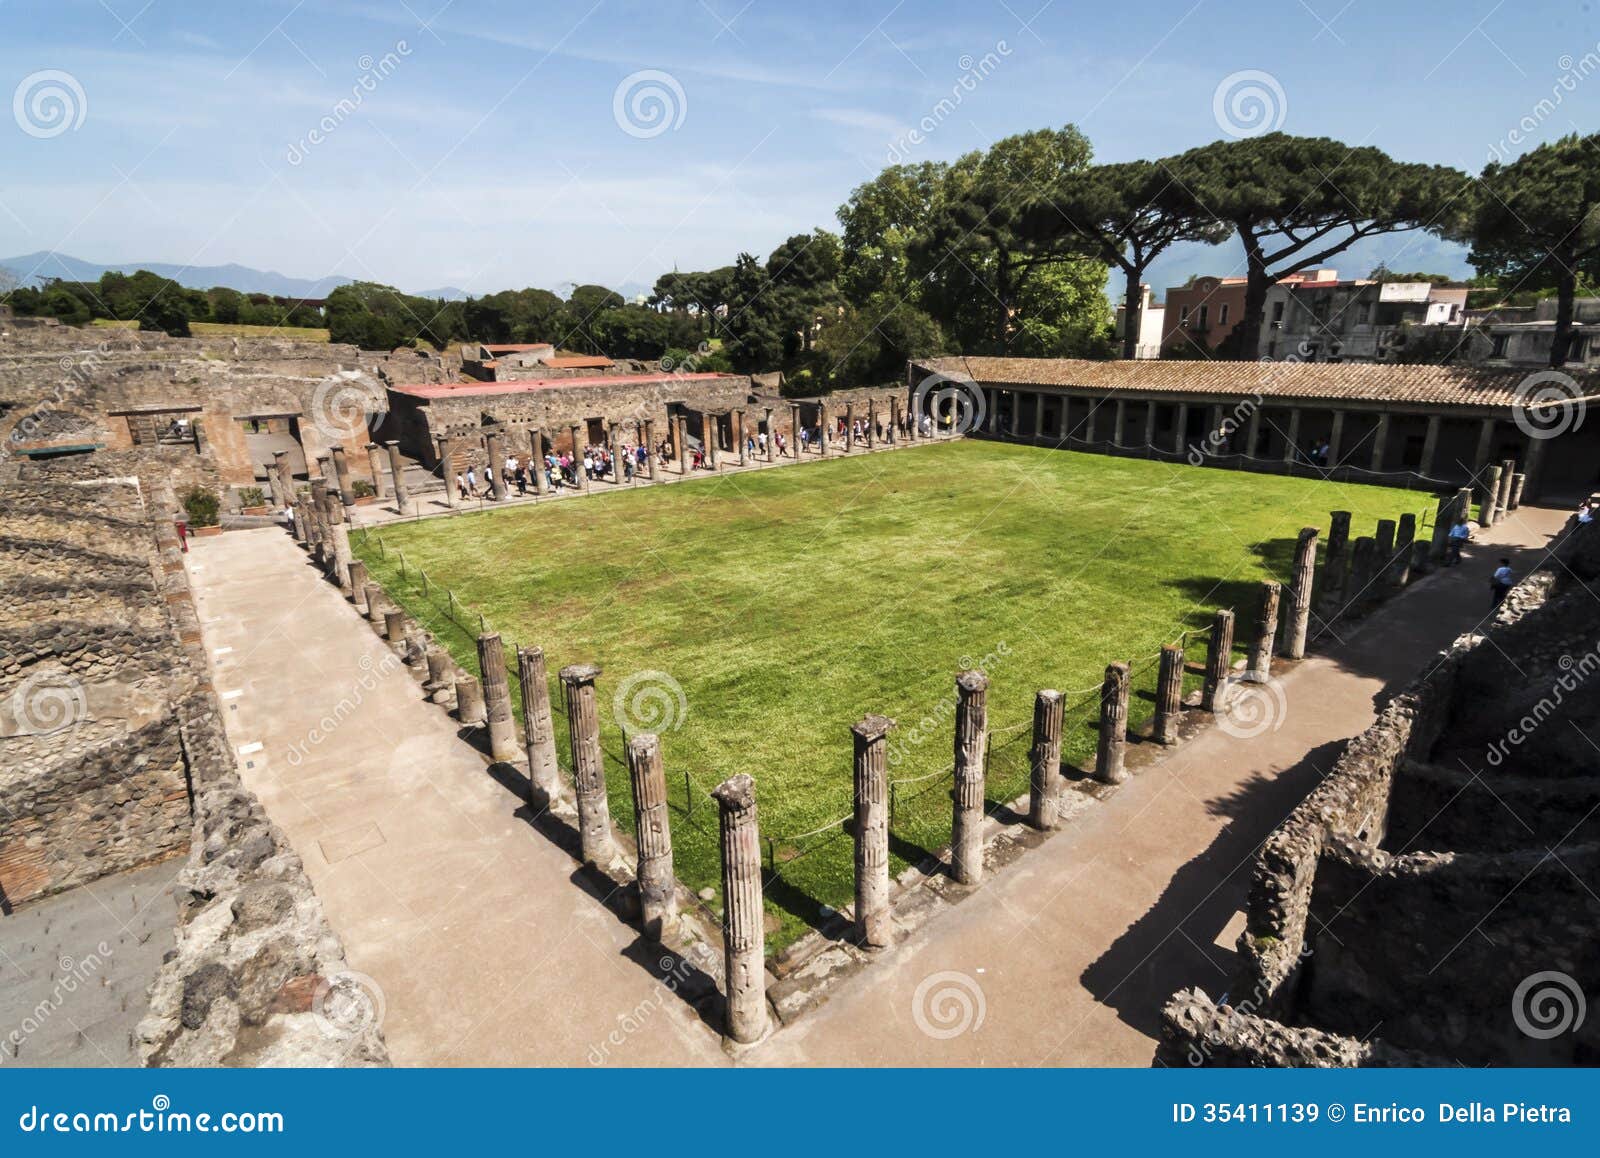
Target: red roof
x,y
463,389
577,362
517,347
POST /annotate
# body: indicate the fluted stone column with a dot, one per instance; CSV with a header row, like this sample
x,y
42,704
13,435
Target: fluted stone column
x,y
680,443
1487,514
1300,594
278,479
339,538
341,472
872,423
894,422
541,485
972,742
1363,570
1380,435
374,605
1109,765
588,763
1399,570
394,630
1335,564
358,584
375,460
497,697
1169,695
794,429
618,473
1502,502
1518,480
743,931
1443,519
1219,661
1384,557
538,728
1266,630
397,478
447,470
1180,428
1044,761
658,893
711,438
824,435
874,924
469,701
649,448
736,416
494,451
772,438
298,510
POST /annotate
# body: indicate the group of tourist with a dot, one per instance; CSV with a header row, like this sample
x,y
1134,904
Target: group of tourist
x,y
1501,580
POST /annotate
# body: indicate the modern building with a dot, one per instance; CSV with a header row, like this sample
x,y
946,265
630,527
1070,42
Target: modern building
x,y
1328,320
1428,426
1505,342
1152,323
1201,315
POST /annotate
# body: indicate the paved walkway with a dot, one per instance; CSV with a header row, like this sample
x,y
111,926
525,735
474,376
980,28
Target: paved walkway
x,y
484,948
1071,952
487,952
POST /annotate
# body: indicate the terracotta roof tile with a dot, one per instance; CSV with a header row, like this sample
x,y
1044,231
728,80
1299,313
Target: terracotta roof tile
x,y
1349,381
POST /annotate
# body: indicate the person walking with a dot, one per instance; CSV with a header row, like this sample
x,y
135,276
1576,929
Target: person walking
x,y
1457,539
1501,582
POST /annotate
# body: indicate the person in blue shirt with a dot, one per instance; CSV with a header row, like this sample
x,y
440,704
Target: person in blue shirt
x,y
1459,534
1500,583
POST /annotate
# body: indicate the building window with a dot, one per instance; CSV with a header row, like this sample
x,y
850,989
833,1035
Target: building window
x,y
1499,348
1222,314
1203,311
1183,316
1277,313
1576,345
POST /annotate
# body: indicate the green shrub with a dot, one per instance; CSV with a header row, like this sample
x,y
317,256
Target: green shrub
x,y
252,497
202,506
362,489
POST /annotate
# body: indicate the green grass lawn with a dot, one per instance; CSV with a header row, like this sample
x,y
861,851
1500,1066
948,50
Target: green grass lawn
x,y
787,604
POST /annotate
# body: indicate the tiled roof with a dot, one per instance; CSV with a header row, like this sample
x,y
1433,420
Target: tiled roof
x,y
577,362
468,389
1330,381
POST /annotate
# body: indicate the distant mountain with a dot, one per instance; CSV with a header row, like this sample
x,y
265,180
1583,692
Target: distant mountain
x,y
35,267
449,293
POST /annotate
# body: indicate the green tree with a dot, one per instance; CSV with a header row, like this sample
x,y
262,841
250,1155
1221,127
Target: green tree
x,y
883,219
1537,225
870,344
1295,202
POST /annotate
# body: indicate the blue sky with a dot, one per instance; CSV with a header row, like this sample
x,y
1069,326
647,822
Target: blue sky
x,y
492,154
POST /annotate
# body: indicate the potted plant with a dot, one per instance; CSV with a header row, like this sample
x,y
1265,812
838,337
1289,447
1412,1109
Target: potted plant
x,y
252,501
364,492
203,508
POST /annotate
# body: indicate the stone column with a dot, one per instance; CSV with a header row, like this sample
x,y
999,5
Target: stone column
x,y
1485,445
1443,519
794,429
618,473
680,442
1119,416
772,438
494,452
874,923
341,472
1502,502
394,630
972,741
1169,696
1038,417
743,436
650,449
374,605
1016,415
301,530
1044,761
1150,423
375,460
1291,449
849,427
872,423
541,485
278,479
1335,436
588,763
1398,573
822,429
658,890
711,437
1334,565
1487,514
1430,444
743,918
1219,661
447,471
397,472
1266,630
1305,571
469,701
437,685
1533,456
339,538
497,697
358,584
1252,437
1380,436
1108,757
1383,554
892,435
1363,569
538,730
1517,482
1180,428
